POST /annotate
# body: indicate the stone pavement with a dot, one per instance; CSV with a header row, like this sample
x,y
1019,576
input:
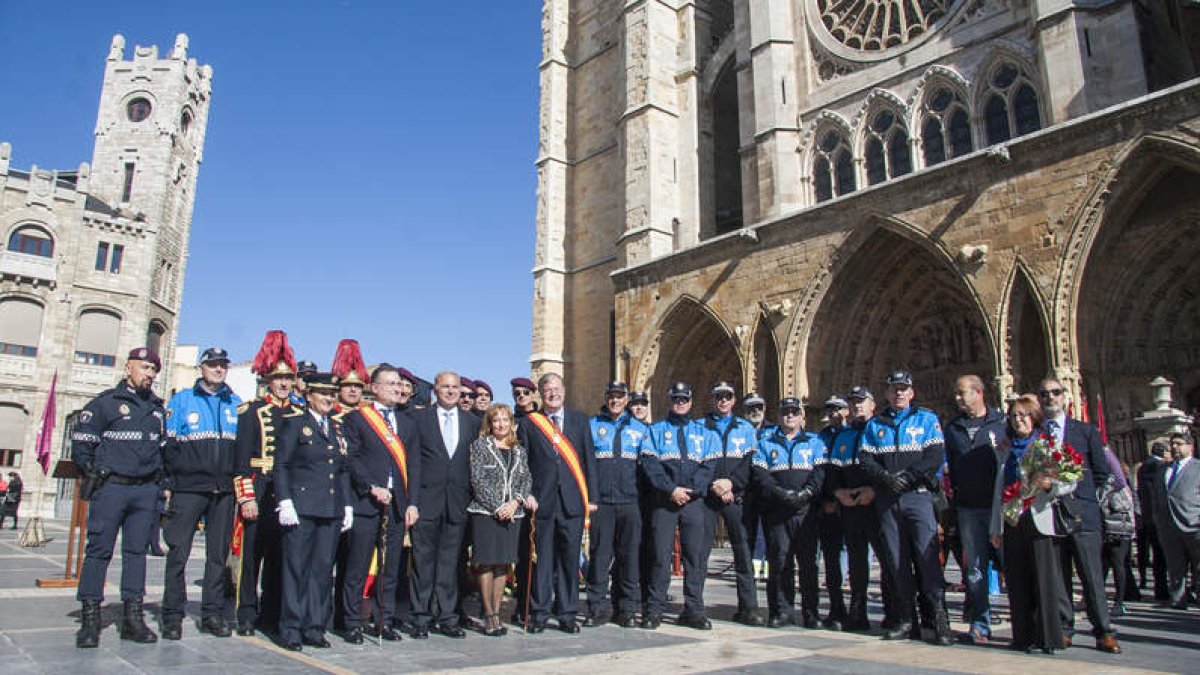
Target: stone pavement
x,y
37,629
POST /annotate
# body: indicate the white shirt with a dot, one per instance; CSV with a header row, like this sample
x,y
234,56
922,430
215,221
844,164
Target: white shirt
x,y
449,430
1062,427
1175,468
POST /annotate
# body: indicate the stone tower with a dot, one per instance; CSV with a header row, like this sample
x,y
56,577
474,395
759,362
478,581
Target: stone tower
x,y
798,195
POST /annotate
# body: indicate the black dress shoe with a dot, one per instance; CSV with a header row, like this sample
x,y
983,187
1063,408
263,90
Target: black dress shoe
x,y
419,633
354,636
624,619
455,632
568,626
215,625
808,620
779,621
319,642
697,621
245,629
651,621
1118,609
172,631
831,623
898,632
536,627
292,646
751,617
390,634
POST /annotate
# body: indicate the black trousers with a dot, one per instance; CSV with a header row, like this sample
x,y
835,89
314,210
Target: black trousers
x,y
695,542
614,546
183,515
737,527
308,551
262,559
1114,553
557,538
1081,551
791,547
833,539
127,509
434,584
1182,551
908,532
362,541
1150,554
1034,585
861,525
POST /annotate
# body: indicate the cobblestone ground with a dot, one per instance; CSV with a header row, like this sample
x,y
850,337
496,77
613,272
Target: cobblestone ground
x,y
37,636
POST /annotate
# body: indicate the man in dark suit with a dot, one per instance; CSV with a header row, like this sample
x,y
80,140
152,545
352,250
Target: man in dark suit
x,y
559,442
1148,476
1082,549
385,474
444,436
1177,515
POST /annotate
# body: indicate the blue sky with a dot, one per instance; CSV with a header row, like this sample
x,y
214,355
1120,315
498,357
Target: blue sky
x,y
368,170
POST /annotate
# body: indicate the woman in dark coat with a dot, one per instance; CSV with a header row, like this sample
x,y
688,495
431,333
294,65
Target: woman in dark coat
x,y
500,483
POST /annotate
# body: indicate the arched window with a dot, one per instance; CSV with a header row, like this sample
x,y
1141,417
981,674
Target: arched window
x,y
1011,105
946,129
154,335
31,240
20,326
99,333
13,423
833,166
886,149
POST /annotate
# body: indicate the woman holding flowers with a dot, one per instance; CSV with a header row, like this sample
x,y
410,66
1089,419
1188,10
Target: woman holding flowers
x,y
1035,472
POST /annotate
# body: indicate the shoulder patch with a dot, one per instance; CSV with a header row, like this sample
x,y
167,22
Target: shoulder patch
x,y
243,407
85,416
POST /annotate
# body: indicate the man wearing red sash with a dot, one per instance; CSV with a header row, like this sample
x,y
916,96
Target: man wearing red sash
x,y
559,442
385,478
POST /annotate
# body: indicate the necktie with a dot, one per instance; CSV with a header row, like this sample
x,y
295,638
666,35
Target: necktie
x,y
448,432
557,421
1053,428
325,427
390,416
1174,473
682,438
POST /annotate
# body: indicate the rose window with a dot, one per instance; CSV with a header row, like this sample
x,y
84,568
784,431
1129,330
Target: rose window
x,y
879,25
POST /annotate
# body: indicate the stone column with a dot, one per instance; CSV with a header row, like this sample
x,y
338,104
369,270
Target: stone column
x,y
769,131
1165,418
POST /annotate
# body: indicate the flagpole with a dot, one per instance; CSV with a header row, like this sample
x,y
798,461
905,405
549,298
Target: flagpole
x,y
34,533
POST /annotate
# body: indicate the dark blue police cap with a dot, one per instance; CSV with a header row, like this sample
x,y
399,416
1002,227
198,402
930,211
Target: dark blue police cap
x,y
899,377
680,390
214,354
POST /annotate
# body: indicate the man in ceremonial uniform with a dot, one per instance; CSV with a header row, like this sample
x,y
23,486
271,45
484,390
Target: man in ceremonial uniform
x,y
559,442
313,490
849,484
615,536
386,480
789,472
444,436
728,498
200,463
256,536
832,533
117,442
902,450
351,373
675,468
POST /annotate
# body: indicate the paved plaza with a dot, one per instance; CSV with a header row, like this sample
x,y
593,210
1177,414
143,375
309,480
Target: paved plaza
x,y
37,632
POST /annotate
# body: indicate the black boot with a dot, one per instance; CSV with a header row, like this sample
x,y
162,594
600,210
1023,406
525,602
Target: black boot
x,y
941,627
133,626
88,636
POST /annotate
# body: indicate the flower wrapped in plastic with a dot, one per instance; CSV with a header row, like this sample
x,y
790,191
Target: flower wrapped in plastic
x,y
1045,455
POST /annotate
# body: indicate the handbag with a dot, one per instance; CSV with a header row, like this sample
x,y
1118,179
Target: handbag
x,y
1068,516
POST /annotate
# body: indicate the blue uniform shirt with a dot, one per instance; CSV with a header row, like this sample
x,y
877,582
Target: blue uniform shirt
x,y
618,445
904,440
676,453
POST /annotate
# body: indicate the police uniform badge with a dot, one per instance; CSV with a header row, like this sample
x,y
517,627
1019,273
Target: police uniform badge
x,y
193,418
123,409
602,431
169,413
307,431
774,455
667,436
85,416
882,433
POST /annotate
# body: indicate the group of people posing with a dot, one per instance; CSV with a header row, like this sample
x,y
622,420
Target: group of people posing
x,y
306,494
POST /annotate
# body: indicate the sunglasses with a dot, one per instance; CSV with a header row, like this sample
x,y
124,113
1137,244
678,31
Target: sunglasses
x,y
676,400
522,392
466,395
1047,393
723,396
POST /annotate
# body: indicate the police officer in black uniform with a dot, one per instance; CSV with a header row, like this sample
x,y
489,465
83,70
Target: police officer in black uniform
x,y
118,442
313,488
675,468
829,522
254,486
789,474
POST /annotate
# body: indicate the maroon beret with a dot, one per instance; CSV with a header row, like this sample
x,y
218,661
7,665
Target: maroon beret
x,y
522,382
145,354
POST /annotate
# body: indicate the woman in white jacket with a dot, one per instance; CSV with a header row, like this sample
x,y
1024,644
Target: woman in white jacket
x,y
1030,548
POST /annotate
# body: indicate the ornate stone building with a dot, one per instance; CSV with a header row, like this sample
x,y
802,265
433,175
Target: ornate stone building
x,y
93,258
798,195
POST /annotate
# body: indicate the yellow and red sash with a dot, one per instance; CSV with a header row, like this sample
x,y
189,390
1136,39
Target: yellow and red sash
x,y
568,454
393,443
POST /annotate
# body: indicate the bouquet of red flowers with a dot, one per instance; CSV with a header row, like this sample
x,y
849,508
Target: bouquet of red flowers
x,y
1045,455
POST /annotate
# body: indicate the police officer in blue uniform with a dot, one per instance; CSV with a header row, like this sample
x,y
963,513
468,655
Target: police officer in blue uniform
x,y
615,536
902,450
675,468
199,460
728,498
851,487
313,488
117,442
832,533
789,474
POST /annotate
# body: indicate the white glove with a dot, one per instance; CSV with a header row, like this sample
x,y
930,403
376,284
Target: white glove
x,y
287,514
348,519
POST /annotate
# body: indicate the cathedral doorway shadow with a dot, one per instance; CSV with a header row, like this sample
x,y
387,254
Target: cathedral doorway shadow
x,y
896,303
696,348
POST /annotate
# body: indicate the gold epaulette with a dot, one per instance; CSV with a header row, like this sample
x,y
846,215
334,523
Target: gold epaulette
x,y
293,411
243,407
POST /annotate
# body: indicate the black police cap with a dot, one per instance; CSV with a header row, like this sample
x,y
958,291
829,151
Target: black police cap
x,y
639,397
680,390
859,394
214,354
790,403
899,377
616,387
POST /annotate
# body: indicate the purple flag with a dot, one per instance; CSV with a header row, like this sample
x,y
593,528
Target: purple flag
x,y
47,430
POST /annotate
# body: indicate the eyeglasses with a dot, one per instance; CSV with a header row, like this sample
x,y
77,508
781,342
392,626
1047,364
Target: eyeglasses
x,y
754,407
522,392
1047,393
